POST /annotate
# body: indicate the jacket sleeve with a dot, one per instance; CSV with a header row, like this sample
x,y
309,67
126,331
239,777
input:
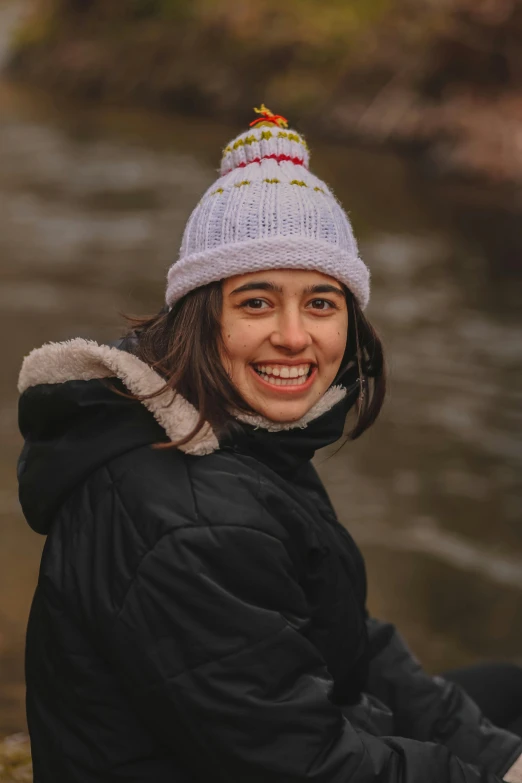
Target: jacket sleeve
x,y
431,709
211,646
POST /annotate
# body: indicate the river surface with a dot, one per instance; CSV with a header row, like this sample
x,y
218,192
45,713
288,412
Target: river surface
x,y
93,203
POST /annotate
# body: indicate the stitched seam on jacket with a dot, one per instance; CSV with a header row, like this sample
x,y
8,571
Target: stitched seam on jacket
x,y
186,466
223,657
58,507
117,492
188,526
255,492
119,496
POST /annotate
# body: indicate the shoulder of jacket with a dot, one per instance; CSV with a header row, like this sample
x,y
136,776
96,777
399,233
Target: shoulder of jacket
x,y
229,490
166,490
134,511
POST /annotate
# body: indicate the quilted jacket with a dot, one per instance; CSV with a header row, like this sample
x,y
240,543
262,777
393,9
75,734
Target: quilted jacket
x,y
200,613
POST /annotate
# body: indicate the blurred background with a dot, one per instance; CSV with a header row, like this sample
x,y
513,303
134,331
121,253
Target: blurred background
x,y
112,119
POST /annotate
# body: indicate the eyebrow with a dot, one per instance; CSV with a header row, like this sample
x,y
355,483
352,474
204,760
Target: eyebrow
x,y
258,286
323,288
261,285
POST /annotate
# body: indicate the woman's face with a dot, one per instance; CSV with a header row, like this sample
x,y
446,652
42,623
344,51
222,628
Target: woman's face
x,y
284,335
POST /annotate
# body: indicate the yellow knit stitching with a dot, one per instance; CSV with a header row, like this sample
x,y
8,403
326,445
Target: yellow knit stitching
x,y
272,181
292,137
242,142
264,135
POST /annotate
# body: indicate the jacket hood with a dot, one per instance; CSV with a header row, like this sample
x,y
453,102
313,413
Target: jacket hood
x,y
73,422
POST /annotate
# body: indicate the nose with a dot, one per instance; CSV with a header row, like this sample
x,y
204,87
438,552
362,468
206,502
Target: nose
x,y
290,332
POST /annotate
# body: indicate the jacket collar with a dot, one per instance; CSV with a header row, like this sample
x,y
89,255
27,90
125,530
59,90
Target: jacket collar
x,y
86,360
285,448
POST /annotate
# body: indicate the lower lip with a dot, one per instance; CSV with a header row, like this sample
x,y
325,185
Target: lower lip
x,y
293,389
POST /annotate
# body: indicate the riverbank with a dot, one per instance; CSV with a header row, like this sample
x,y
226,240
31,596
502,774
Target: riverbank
x,y
442,79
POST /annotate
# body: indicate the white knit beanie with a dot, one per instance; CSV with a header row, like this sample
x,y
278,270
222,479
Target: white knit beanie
x,y
267,211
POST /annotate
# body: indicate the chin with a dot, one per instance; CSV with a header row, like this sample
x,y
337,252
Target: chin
x,y
283,412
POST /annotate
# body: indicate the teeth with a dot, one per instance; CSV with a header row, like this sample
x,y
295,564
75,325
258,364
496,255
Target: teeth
x,y
282,375
283,381
282,371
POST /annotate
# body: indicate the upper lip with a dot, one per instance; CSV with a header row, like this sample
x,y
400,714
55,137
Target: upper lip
x,y
289,363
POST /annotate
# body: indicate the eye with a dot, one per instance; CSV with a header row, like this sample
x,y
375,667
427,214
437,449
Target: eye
x,y
323,304
254,304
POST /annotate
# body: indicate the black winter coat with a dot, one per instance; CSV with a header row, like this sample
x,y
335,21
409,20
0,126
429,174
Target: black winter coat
x,y
200,615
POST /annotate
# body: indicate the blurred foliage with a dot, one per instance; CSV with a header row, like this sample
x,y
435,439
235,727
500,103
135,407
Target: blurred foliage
x,y
15,760
442,75
167,9
310,22
214,56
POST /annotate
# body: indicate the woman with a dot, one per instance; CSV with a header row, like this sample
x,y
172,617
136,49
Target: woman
x,y
200,612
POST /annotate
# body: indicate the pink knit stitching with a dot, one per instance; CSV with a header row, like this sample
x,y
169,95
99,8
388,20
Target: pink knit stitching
x,y
278,158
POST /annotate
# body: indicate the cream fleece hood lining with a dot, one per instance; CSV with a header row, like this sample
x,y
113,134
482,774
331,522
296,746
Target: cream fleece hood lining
x,y
86,360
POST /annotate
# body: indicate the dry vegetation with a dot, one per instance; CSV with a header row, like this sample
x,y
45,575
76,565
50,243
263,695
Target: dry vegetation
x,y
15,760
442,75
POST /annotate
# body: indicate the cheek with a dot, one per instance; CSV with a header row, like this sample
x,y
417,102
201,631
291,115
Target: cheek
x,y
240,339
333,339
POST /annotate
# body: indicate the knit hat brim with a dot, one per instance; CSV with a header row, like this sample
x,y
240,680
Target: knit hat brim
x,y
220,262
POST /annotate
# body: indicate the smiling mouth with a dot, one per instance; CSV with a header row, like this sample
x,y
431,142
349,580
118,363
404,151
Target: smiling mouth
x,y
284,376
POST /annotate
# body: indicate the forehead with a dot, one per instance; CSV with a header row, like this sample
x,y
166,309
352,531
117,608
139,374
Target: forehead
x,y
290,280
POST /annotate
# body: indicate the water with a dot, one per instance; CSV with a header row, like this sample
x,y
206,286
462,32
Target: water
x,y
92,209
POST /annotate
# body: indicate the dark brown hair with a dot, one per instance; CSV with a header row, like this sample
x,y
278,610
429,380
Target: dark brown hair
x,y
184,345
